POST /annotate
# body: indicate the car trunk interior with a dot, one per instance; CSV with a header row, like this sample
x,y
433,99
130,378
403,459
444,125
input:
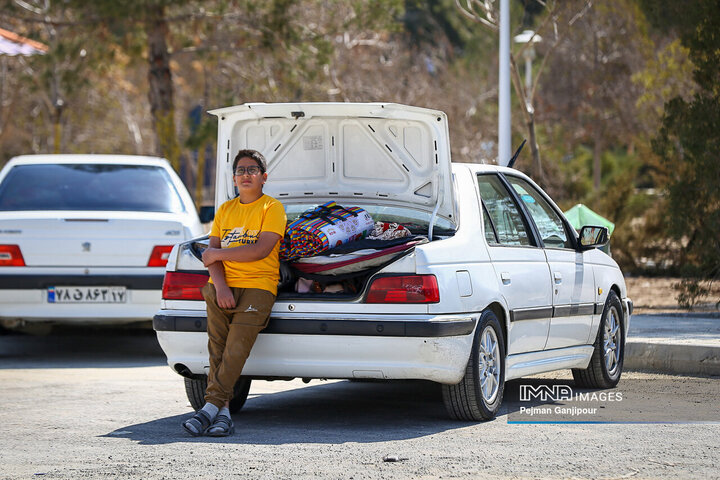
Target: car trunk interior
x,y
349,283
344,285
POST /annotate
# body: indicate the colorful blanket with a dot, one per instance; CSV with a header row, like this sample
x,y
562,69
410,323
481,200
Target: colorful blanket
x,y
322,228
357,261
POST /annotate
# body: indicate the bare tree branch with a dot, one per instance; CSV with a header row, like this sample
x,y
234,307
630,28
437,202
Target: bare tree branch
x,y
469,12
36,10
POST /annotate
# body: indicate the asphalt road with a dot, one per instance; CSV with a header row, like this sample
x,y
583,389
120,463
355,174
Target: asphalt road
x,y
102,403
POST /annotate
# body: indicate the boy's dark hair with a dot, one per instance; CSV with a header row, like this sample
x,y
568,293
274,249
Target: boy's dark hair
x,y
255,155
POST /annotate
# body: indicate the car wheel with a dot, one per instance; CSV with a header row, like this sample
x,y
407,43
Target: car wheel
x,y
479,394
606,363
195,391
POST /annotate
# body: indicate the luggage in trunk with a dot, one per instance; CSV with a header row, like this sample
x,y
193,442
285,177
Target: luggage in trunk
x,y
344,270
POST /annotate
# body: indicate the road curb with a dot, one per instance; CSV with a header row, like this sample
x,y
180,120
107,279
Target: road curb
x,y
672,358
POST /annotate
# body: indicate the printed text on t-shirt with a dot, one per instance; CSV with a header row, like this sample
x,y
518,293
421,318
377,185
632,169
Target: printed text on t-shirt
x,y
238,235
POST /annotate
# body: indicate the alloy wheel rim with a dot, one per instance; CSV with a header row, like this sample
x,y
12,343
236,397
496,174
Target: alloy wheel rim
x,y
489,363
611,342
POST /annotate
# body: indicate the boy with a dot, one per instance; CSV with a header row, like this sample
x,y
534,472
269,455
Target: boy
x,y
244,271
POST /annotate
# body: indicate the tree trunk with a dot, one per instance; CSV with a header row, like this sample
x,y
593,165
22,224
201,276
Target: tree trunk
x,y
160,95
597,157
534,147
57,125
3,76
200,178
57,135
597,147
529,114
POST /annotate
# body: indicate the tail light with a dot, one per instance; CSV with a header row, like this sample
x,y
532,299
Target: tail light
x,y
11,256
183,286
159,256
404,289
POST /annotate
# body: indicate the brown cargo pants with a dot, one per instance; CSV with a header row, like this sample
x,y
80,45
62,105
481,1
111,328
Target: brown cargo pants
x,y
231,336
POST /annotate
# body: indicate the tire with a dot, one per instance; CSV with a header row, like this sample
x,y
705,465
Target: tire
x,y
479,394
195,391
606,363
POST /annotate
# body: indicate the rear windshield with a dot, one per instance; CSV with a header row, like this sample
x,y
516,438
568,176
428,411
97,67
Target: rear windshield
x,y
139,188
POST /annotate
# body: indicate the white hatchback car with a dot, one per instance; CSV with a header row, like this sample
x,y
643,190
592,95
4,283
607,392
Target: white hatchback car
x,y
504,287
85,238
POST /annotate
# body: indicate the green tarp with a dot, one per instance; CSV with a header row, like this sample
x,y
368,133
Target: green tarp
x,y
580,215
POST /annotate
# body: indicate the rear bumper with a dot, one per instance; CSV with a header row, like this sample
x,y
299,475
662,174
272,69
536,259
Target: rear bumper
x,y
433,348
335,325
43,281
20,306
24,297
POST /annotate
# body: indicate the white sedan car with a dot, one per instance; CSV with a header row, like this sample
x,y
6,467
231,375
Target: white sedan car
x,y
502,288
85,238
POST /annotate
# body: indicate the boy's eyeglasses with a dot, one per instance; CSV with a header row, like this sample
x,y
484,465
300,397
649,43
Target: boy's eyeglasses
x,y
240,171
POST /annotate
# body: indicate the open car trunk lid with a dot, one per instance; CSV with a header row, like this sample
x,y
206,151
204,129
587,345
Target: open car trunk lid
x,y
380,153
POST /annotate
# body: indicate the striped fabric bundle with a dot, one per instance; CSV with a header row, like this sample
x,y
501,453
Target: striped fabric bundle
x,y
322,228
359,260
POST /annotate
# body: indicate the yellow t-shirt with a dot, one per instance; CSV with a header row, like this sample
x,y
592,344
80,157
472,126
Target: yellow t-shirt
x,y
240,224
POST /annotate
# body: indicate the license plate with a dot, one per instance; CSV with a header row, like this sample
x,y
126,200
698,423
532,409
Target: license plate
x,y
86,295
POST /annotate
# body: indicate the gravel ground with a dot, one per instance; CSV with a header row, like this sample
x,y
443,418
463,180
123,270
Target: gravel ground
x,y
103,404
70,422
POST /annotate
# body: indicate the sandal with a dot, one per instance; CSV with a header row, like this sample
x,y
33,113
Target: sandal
x,y
198,424
221,427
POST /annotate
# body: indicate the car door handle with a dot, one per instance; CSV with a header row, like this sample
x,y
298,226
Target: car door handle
x,y
505,277
558,278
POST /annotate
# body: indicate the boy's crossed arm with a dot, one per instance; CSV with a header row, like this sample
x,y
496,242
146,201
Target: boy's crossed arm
x,y
244,253
213,257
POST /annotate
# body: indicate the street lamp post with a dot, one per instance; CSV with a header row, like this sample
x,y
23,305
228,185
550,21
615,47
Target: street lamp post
x,y
504,122
531,38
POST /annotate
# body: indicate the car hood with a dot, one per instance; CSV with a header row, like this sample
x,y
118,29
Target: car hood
x,y
349,152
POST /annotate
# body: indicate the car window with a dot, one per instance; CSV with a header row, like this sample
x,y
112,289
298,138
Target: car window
x,y
503,212
96,187
490,234
548,222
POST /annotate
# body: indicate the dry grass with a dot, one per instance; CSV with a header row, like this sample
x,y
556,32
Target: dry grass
x,y
657,294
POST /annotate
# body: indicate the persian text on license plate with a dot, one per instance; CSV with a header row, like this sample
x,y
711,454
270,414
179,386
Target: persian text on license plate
x,y
86,295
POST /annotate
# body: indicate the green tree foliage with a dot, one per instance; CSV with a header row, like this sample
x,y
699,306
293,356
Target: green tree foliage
x,y
57,78
608,69
590,87
688,143
243,50
150,17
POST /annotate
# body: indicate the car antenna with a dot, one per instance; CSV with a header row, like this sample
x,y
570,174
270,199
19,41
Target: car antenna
x,y
517,152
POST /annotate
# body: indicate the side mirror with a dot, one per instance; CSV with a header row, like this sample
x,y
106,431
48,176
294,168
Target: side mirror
x,y
207,214
593,237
